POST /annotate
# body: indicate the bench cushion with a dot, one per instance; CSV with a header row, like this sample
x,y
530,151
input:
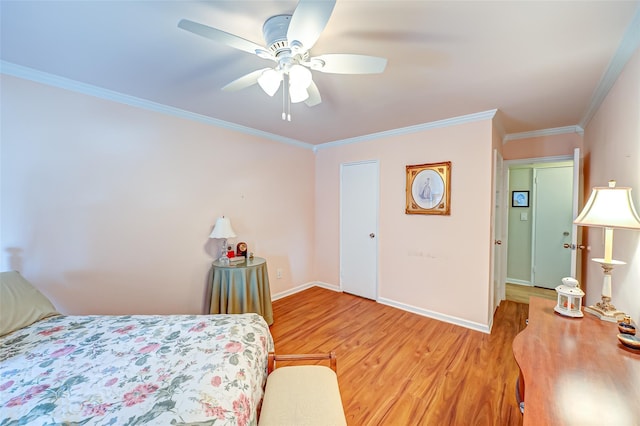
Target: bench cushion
x,y
305,395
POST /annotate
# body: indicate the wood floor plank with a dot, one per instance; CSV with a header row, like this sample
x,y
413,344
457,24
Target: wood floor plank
x,y
399,368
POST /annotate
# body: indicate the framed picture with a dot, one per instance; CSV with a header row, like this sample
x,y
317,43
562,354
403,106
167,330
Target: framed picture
x,y
429,189
519,198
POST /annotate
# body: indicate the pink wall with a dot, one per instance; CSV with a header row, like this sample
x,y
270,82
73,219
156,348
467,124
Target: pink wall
x,y
542,146
107,208
612,151
432,263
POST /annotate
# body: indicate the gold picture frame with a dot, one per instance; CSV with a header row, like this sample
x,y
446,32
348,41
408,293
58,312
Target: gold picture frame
x,y
429,189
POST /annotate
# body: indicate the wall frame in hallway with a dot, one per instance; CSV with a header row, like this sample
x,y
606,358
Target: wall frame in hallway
x,y
520,199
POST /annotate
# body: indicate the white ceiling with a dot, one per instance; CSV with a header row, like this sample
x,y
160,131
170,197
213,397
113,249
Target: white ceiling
x,y
539,62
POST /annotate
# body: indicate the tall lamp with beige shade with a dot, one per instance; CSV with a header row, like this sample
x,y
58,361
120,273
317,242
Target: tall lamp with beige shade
x,y
608,207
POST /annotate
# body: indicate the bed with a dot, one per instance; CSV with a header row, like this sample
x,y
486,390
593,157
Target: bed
x,y
128,370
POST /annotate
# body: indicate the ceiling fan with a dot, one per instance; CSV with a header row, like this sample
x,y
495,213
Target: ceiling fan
x,y
289,39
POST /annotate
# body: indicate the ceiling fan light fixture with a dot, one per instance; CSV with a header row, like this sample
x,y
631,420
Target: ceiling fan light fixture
x,y
289,39
300,76
298,93
269,81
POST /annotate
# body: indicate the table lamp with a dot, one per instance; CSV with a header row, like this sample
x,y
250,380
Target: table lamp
x,y
223,230
608,207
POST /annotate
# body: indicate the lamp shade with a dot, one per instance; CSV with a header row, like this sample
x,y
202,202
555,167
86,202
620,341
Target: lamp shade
x,y
609,207
222,229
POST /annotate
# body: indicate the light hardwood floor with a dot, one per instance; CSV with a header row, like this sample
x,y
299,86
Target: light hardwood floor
x,y
522,293
399,368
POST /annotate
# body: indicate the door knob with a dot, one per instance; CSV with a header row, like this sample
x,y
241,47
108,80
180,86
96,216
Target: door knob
x,y
573,246
372,235
498,242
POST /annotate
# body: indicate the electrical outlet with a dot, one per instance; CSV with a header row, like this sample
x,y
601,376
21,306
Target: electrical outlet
x,y
278,273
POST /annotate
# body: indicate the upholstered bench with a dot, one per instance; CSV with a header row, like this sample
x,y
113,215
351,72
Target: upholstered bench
x,y
302,395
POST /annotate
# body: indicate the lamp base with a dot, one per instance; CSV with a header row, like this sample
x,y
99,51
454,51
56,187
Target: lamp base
x,y
224,259
605,310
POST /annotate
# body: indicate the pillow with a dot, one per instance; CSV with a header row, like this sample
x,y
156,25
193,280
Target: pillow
x,y
21,304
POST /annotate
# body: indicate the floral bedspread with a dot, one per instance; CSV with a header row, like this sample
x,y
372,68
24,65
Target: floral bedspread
x,y
132,370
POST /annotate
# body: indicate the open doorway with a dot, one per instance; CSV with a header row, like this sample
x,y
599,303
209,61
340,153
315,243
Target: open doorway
x,y
541,236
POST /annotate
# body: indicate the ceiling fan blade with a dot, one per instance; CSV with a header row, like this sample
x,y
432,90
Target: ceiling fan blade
x,y
308,21
344,63
221,36
314,95
244,81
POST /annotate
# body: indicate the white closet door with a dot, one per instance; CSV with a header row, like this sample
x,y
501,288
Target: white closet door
x,y
359,189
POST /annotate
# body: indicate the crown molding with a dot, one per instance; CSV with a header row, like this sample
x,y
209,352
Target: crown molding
x,y
543,132
31,74
26,73
538,160
628,45
469,118
630,42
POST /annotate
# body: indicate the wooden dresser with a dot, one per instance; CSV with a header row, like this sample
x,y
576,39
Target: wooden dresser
x,y
573,371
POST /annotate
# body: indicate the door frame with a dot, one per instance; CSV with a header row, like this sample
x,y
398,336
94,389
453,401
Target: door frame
x,y
574,157
497,291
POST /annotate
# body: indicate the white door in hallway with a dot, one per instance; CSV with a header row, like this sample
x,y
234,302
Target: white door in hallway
x,y
553,225
359,188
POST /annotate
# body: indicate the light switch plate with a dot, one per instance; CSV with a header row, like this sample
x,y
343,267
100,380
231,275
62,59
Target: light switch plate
x,y
524,216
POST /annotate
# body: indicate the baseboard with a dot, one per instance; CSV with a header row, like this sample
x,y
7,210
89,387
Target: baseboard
x,y
328,286
303,287
485,328
519,282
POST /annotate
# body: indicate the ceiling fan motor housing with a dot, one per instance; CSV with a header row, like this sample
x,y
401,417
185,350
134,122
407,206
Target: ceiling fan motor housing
x,y
274,31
